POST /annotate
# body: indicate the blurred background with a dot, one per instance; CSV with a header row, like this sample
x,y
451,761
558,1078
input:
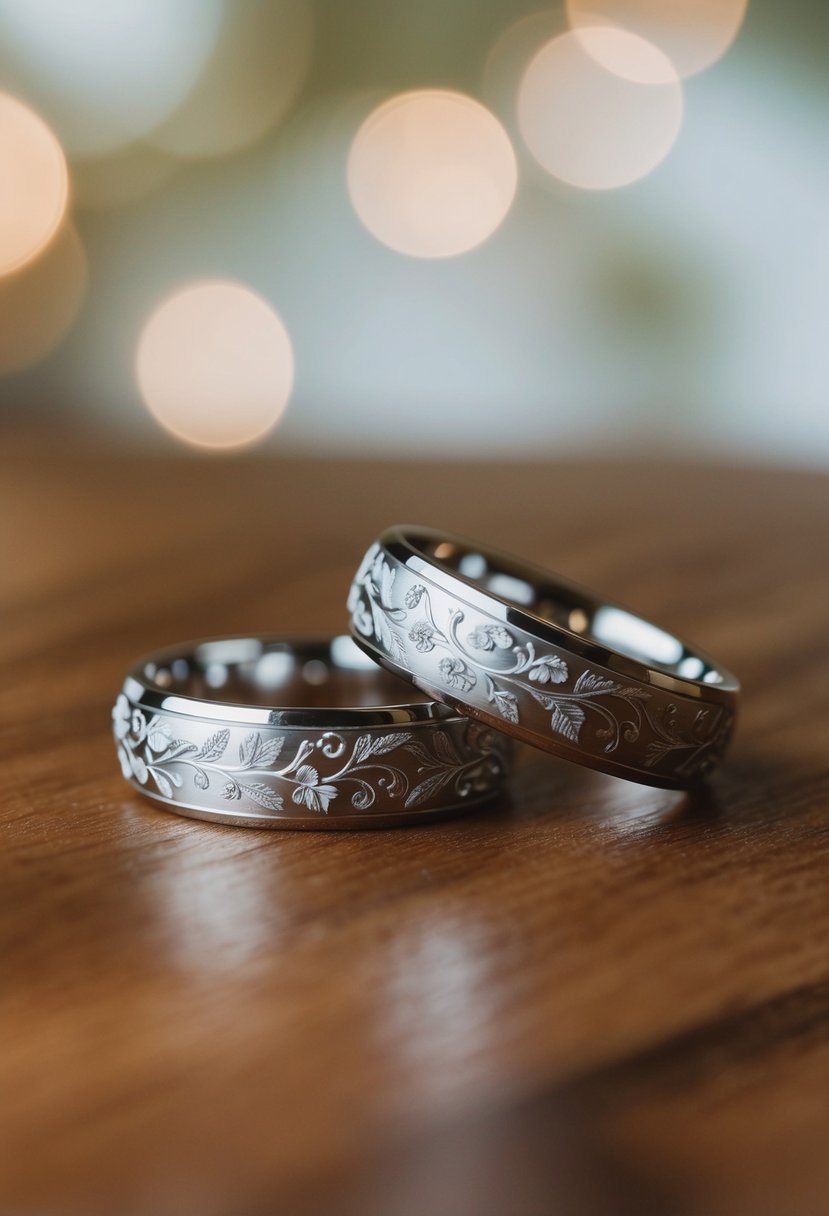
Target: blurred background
x,y
475,228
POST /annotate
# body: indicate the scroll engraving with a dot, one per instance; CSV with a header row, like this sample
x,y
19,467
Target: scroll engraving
x,y
321,769
507,672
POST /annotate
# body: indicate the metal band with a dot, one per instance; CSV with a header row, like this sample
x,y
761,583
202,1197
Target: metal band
x,y
541,659
270,732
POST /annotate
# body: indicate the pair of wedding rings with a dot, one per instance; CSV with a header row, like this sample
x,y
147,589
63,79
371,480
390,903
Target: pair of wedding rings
x,y
275,732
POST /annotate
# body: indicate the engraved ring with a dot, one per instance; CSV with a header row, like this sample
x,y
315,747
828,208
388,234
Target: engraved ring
x,y
275,732
527,652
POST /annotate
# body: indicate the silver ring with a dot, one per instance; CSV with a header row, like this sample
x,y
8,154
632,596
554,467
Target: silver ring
x,y
274,732
529,653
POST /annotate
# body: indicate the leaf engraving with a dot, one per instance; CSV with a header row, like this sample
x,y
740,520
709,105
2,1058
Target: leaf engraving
x,y
590,681
445,748
423,756
361,750
382,631
431,785
377,745
256,752
568,719
397,646
165,786
158,739
435,761
262,795
387,743
248,748
215,746
387,577
179,747
506,704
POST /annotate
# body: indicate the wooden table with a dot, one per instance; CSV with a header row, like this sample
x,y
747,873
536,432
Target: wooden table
x,y
593,998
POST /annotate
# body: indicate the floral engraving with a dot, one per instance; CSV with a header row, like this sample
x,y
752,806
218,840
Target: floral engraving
x,y
151,754
487,637
414,595
310,791
549,669
381,617
703,743
505,673
422,634
456,674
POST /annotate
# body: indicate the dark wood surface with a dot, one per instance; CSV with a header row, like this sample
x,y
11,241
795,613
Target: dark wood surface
x,y
592,998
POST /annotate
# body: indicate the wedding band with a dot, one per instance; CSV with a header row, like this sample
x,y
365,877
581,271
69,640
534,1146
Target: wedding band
x,y
271,732
539,658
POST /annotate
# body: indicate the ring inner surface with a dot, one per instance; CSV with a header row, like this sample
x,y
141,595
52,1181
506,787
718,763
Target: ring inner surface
x,y
568,607
259,672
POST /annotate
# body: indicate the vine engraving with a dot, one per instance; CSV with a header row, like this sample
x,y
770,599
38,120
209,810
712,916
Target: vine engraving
x,y
499,670
151,753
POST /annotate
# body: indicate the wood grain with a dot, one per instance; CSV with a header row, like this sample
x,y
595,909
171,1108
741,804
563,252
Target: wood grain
x,y
594,997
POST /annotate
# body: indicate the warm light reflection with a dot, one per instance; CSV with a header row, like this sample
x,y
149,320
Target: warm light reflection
x,y
254,74
215,365
39,304
215,918
34,184
436,1003
431,173
692,33
105,73
599,127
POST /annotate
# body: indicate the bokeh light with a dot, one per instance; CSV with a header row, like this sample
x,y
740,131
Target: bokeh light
x,y
692,33
590,111
259,62
509,55
105,73
34,184
432,173
122,177
39,304
215,364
